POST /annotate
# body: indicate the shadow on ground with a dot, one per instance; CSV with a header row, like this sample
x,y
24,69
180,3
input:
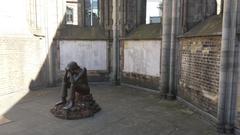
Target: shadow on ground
x,y
125,111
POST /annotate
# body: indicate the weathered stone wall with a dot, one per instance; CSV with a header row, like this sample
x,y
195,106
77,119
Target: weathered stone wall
x,y
196,11
199,71
131,14
23,66
27,31
134,14
22,60
141,62
141,80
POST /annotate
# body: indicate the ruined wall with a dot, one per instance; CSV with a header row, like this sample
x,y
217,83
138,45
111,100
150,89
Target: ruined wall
x,y
134,14
199,71
196,11
92,54
141,63
131,15
88,46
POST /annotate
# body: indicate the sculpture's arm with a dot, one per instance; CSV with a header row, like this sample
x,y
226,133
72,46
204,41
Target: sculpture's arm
x,y
65,78
80,74
72,80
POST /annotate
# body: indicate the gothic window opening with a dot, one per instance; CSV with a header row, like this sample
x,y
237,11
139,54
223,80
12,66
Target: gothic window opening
x,y
219,6
69,15
91,12
154,11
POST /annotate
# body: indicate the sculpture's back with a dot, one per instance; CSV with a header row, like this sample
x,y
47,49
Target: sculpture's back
x,y
81,103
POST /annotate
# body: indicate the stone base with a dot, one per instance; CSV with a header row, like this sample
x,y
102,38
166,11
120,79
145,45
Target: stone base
x,y
170,97
84,107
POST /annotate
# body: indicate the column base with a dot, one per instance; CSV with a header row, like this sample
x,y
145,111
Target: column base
x,y
170,97
163,95
229,129
116,83
220,128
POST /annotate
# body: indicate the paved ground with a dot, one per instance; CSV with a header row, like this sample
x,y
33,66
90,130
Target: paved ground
x,y
125,111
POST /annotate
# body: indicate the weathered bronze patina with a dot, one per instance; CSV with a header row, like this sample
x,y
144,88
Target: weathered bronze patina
x,y
80,103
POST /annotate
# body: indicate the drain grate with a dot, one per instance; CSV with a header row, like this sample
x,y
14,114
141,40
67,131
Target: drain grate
x,y
3,120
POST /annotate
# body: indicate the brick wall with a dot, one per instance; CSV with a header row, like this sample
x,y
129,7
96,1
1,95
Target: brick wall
x,y
199,71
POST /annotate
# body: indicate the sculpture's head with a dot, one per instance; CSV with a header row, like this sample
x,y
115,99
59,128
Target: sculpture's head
x,y
72,66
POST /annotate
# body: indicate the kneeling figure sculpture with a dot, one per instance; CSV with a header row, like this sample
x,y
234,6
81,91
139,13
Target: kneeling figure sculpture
x,y
80,103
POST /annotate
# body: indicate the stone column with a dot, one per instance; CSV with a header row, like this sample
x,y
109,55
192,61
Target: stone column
x,y
222,3
184,4
172,94
166,42
120,18
226,83
106,14
115,46
81,13
141,11
48,44
101,12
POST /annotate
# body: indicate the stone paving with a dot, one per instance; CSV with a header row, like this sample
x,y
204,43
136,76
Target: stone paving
x,y
125,111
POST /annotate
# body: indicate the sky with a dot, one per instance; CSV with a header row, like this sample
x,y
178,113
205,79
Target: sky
x,y
152,9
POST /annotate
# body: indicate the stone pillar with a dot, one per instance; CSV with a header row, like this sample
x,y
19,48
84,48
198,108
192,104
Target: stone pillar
x,y
226,84
121,5
48,44
184,13
141,11
222,3
106,14
50,65
81,13
101,12
172,92
166,42
131,15
196,11
115,46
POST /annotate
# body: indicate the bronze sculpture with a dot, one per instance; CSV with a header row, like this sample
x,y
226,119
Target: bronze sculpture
x,y
80,102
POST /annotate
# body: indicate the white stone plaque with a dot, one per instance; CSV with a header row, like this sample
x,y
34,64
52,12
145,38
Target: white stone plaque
x,y
142,57
90,54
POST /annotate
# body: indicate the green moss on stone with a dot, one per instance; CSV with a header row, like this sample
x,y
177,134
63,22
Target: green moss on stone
x,y
73,32
145,31
211,26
